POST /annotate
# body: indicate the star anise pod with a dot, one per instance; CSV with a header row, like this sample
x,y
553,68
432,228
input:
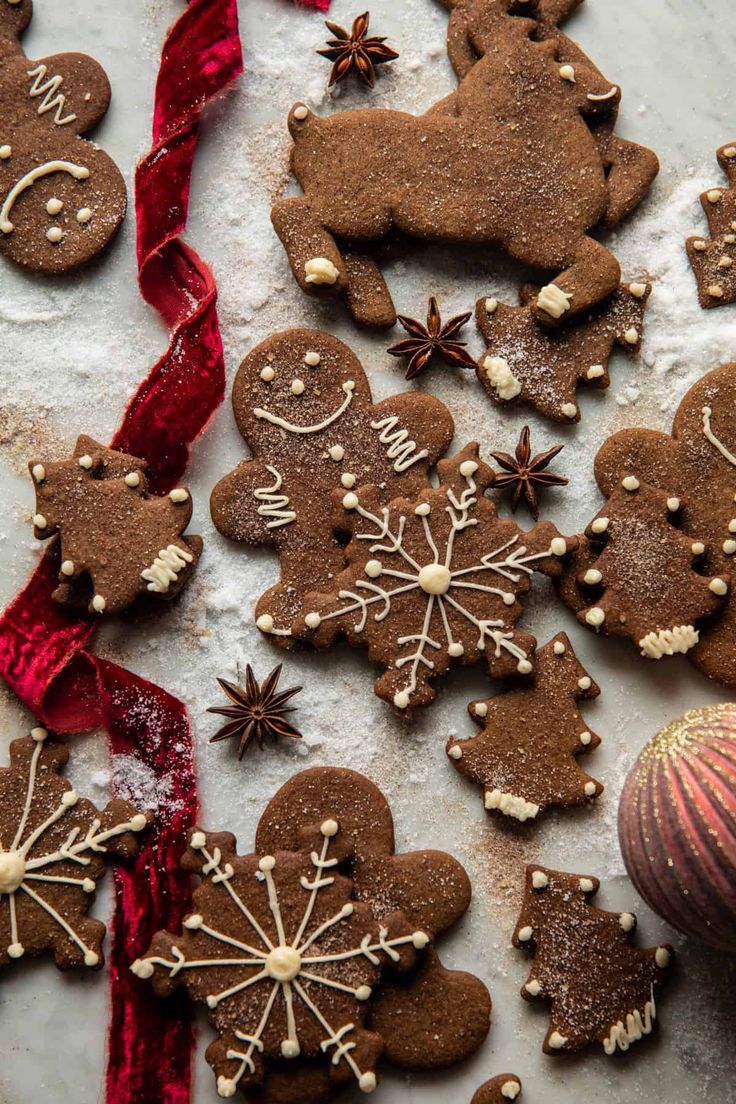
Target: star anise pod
x,y
525,472
355,50
257,711
433,338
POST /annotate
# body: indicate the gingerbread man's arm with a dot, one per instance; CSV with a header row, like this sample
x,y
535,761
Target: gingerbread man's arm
x,y
251,504
425,421
69,92
645,453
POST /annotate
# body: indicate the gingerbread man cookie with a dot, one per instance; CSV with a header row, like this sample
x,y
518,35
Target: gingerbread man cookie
x,y
463,172
117,541
62,199
315,956
432,582
304,407
695,468
544,367
526,754
714,260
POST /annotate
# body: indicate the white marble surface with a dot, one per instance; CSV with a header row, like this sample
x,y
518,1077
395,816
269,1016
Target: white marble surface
x,y
73,350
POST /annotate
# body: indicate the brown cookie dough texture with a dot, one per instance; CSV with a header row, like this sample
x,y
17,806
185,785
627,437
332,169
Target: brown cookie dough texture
x,y
316,956
463,172
117,541
507,1086
599,987
544,367
53,850
525,757
663,489
304,408
62,199
713,259
432,582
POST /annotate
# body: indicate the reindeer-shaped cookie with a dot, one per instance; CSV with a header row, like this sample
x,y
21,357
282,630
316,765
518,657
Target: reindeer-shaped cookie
x,y
508,159
304,407
117,541
62,199
713,260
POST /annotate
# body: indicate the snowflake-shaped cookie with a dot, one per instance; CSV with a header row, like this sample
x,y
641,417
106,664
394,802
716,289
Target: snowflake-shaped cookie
x,y
284,957
52,850
432,581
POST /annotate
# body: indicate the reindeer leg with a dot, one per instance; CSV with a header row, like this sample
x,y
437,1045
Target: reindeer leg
x,y
592,274
369,299
315,260
632,169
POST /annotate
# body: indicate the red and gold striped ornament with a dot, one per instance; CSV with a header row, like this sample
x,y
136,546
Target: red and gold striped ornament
x,y
677,824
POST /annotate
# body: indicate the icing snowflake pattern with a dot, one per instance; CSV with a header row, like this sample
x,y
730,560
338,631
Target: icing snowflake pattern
x,y
446,569
51,848
283,958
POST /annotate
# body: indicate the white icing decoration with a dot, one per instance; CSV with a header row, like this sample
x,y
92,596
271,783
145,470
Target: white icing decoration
x,y
718,586
553,300
501,378
710,436
455,752
54,234
79,172
558,648
297,387
638,290
491,306
622,1035
53,99
567,73
22,873
5,152
627,920
589,789
98,603
84,215
67,568
533,987
480,709
400,448
266,415
569,409
511,805
312,358
585,682
557,1041
38,472
443,586
275,505
39,521
595,616
165,568
54,206
587,885
320,270
510,1089
539,879
715,195
178,495
599,97
285,965
630,483
662,642
596,371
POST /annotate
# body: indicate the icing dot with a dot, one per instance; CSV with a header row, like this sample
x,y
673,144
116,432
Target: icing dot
x,y
329,828
567,73
525,934
524,667
88,886
423,509
337,452
85,462
67,568
697,548
178,494
455,752
401,699
321,270
729,547
363,992
714,195
556,1041
592,576
91,959
348,480
198,841
5,152
455,649
595,616
533,987
595,371
312,359
725,262
290,1048
491,306
585,738
558,647
301,112
84,215
39,734
139,822
98,603
420,940
558,546
673,504
350,501
54,234
718,586
267,863
732,525
587,885
367,1082
569,410
226,1087
729,151
480,709
267,373
435,578
194,922
265,623
313,620
638,290
70,798
510,1089
630,483
54,205
539,879
600,525
627,920
662,957
132,479
39,521
38,472
700,245
585,682
715,291
373,569
16,950
468,468
631,336
589,789
297,387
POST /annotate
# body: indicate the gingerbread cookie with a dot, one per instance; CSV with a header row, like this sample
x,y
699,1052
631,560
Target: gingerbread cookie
x,y
117,541
713,260
526,754
62,199
635,573
544,367
315,956
462,172
304,407
53,846
697,467
498,1090
433,581
600,987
